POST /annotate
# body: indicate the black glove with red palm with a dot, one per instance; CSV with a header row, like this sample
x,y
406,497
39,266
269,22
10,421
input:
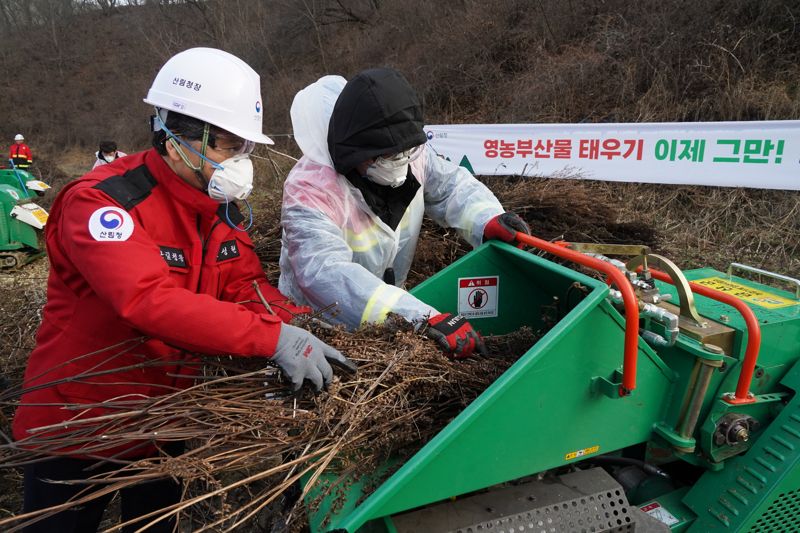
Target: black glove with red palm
x,y
504,227
455,336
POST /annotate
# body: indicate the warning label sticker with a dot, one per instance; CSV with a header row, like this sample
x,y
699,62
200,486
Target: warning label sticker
x,y
478,297
748,294
581,453
659,513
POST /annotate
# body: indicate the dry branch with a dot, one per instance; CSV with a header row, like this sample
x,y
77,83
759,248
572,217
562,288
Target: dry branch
x,y
248,442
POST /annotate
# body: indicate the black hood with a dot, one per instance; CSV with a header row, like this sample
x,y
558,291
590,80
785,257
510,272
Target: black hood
x,y
377,113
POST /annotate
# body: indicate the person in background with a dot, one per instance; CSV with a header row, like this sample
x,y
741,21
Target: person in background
x,y
107,153
20,153
353,205
151,264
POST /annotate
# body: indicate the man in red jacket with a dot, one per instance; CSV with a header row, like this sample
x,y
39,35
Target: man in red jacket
x,y
20,153
148,261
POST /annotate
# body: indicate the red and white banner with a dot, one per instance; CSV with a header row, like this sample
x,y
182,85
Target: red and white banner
x,y
759,154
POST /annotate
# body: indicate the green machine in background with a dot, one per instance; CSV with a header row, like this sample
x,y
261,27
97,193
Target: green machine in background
x,y
21,220
660,401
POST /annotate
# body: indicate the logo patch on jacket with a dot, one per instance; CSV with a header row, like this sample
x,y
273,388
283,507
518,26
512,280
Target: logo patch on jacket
x,y
110,224
173,256
227,250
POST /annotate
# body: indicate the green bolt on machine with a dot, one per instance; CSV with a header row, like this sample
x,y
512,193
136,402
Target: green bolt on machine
x,y
659,401
21,220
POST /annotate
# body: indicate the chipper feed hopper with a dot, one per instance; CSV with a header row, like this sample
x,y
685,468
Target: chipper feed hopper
x,y
21,220
658,400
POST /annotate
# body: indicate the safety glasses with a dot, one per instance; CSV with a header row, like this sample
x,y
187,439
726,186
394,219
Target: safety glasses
x,y
231,146
399,159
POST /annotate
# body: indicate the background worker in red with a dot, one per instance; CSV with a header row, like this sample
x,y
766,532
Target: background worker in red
x,y
20,153
353,205
148,261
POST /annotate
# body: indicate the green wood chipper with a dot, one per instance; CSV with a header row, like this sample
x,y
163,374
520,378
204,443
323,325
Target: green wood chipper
x,y
658,400
21,220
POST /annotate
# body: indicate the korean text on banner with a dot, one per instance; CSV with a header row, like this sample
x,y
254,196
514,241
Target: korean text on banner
x,y
759,154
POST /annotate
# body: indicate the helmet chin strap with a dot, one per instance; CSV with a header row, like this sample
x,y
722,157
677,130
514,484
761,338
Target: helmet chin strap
x,y
198,171
178,144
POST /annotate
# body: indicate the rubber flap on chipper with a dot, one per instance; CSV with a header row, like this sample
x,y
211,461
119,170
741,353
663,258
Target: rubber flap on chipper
x,y
554,406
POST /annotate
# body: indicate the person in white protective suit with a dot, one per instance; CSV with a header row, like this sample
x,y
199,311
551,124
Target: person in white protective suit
x,y
353,205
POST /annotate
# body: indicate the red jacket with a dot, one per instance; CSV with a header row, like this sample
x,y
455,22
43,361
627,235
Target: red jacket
x,y
137,252
21,155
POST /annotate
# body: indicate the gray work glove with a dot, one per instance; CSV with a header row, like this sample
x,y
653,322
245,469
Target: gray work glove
x,y
300,355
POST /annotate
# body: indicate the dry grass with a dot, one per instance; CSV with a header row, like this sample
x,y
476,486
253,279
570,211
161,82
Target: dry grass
x,y
693,226
22,296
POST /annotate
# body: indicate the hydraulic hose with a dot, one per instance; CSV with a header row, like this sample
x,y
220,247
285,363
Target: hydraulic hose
x,y
669,320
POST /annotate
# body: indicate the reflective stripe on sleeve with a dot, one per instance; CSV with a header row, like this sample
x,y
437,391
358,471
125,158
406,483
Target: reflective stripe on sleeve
x,y
469,214
361,242
381,303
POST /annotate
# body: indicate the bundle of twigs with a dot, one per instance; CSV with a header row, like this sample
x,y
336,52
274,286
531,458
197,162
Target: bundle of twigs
x,y
248,442
21,301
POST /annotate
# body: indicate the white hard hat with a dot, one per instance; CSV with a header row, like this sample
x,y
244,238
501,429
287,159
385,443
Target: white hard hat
x,y
212,86
19,137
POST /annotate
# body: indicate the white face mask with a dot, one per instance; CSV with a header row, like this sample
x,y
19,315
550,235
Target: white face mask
x,y
391,177
392,171
109,157
233,181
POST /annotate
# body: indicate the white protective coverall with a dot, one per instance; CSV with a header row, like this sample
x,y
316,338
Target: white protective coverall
x,y
335,250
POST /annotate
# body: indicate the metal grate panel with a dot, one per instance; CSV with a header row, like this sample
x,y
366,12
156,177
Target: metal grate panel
x,y
595,513
782,515
585,501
